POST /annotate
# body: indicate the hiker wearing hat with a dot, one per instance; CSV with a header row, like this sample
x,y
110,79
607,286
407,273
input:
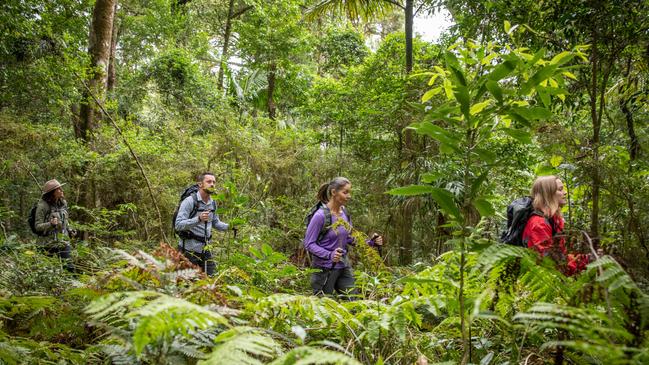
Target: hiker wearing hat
x,y
51,222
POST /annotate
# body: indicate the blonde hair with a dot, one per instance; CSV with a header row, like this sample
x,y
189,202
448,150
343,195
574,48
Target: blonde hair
x,y
544,194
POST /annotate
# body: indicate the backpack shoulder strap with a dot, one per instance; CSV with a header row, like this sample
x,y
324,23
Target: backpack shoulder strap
x,y
327,222
548,221
194,207
349,217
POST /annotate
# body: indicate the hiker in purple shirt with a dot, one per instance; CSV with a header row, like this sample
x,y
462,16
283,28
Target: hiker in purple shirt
x,y
327,246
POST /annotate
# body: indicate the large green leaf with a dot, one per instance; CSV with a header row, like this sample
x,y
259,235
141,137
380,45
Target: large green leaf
x,y
519,135
436,132
501,71
561,58
533,113
462,95
412,190
543,74
495,90
442,197
484,207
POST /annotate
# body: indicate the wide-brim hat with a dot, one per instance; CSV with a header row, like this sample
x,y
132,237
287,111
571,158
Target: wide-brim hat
x,y
51,185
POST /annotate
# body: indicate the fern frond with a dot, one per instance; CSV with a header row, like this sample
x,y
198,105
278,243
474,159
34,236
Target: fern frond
x,y
186,274
132,260
119,354
157,316
242,345
117,304
497,254
187,350
306,355
544,281
320,309
151,260
613,275
12,354
585,323
168,316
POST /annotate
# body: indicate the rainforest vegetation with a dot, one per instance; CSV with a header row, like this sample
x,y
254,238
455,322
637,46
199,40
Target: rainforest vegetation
x,y
127,101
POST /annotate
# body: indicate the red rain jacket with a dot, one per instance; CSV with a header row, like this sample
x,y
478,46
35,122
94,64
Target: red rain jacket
x,y
538,235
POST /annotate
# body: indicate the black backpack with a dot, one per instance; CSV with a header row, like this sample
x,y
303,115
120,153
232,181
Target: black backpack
x,y
327,222
190,191
31,220
518,213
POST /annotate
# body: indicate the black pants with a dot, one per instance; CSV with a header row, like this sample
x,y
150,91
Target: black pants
x,y
63,252
202,260
328,280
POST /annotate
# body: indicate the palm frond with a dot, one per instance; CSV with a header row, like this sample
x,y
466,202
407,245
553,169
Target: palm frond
x,y
353,9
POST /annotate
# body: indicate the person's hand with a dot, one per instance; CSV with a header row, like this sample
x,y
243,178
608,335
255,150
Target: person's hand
x,y
204,216
338,254
54,221
377,239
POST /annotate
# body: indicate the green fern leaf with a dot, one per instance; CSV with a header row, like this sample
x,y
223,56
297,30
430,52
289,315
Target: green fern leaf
x,y
242,345
306,355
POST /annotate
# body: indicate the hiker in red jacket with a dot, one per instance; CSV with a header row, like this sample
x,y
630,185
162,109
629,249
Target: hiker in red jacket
x,y
543,231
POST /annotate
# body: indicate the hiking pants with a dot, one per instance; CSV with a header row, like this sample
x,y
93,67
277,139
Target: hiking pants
x,y
202,260
328,280
61,251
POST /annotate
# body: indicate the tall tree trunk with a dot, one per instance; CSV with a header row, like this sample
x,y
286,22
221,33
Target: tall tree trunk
x,y
226,44
634,145
596,121
271,90
99,49
101,29
408,30
110,82
406,211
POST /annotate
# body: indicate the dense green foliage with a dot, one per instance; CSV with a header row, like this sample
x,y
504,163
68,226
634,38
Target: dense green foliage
x,y
278,97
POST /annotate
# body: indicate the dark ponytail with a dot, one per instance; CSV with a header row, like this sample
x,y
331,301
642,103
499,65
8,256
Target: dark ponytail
x,y
324,192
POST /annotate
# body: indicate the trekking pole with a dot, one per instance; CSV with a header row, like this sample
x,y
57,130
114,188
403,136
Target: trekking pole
x,y
56,229
207,242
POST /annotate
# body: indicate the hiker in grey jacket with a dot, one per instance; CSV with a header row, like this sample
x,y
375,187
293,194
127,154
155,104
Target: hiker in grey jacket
x,y
51,221
196,231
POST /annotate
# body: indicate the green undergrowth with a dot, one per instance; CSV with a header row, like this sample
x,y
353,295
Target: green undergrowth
x,y
150,306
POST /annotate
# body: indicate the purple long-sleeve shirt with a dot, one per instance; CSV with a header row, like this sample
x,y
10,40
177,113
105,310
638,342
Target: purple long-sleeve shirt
x,y
323,251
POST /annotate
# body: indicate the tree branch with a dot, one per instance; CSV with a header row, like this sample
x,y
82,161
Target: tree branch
x,y
395,3
241,11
